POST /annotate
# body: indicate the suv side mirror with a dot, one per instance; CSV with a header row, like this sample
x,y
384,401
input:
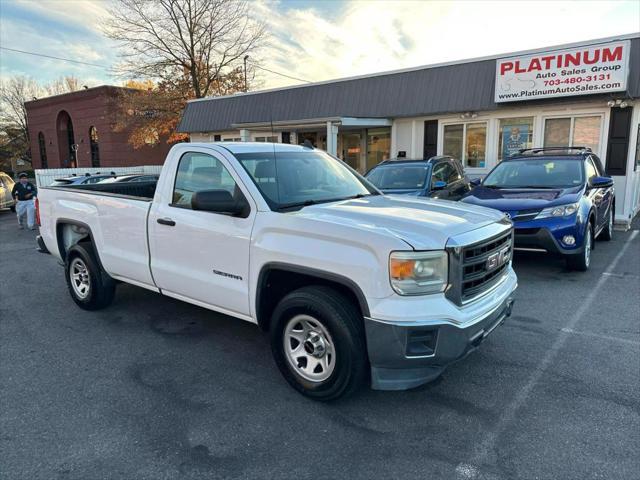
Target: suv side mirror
x,y
475,182
601,182
218,201
438,185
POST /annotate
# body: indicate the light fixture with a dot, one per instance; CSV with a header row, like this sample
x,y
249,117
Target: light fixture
x,y
624,105
611,103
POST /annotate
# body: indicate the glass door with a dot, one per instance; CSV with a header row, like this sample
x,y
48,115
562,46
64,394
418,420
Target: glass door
x,y
351,149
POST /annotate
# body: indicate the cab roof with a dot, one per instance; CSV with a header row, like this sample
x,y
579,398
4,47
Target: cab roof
x,y
257,147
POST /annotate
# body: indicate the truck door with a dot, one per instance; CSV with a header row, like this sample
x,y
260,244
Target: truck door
x,y
201,256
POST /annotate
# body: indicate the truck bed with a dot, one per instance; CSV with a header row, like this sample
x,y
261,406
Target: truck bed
x,y
140,190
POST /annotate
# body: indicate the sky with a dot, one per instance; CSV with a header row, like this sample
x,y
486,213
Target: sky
x,y
322,40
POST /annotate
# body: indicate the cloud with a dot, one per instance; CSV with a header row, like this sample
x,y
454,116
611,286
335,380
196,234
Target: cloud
x,y
46,27
320,40
366,37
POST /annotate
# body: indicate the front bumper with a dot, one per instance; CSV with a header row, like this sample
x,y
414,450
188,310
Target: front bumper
x,y
542,238
406,354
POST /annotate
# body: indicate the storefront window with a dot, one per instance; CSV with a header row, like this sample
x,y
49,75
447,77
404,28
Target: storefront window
x,y
638,148
466,142
573,131
515,134
378,146
586,132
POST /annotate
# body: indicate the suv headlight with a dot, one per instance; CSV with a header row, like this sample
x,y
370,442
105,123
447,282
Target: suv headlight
x,y
418,273
559,211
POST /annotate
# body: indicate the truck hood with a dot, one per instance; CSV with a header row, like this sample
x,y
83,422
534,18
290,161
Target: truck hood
x,y
514,199
422,223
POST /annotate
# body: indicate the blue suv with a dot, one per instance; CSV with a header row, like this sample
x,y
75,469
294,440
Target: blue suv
x,y
559,200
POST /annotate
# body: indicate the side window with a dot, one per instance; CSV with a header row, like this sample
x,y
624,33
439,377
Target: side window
x,y
590,169
455,175
198,172
444,172
598,165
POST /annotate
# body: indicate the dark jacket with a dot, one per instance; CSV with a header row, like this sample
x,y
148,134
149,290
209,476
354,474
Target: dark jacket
x,y
27,191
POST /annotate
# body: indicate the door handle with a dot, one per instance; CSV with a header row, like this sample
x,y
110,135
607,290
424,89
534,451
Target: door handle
x,y
166,221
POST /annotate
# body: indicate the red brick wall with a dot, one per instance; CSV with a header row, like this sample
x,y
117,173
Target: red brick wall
x,y
92,107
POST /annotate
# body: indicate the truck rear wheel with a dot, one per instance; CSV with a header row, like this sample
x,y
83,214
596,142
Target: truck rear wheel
x,y
90,287
318,343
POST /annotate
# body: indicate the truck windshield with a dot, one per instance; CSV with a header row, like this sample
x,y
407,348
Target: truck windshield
x,y
296,179
399,177
547,173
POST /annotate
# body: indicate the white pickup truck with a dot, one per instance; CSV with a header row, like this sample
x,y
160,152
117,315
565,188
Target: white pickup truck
x,y
352,285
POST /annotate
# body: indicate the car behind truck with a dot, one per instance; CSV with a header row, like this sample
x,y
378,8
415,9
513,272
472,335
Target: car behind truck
x,y
352,285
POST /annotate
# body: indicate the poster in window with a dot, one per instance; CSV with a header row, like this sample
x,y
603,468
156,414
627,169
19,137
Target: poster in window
x,y
514,138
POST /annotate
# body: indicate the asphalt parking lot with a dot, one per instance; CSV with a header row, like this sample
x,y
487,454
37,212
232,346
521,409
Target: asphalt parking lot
x,y
152,388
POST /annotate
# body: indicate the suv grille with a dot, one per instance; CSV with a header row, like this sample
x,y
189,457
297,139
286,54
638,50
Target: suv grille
x,y
480,266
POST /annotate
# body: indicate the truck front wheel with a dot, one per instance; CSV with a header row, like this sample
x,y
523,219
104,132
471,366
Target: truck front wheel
x,y
318,343
90,287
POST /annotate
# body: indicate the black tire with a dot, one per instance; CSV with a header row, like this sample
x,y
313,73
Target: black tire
x,y
582,261
101,288
607,231
343,323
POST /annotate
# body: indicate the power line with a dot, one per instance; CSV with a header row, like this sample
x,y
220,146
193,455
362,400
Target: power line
x,y
281,74
55,58
108,68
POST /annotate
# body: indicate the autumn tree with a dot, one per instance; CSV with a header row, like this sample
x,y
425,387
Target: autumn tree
x,y
188,48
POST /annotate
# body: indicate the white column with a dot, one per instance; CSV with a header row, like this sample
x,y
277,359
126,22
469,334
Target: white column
x,y
332,139
244,135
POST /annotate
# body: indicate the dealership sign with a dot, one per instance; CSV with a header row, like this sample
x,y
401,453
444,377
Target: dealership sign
x,y
577,71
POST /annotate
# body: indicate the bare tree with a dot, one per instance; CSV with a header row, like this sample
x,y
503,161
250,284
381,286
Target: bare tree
x,y
165,40
14,92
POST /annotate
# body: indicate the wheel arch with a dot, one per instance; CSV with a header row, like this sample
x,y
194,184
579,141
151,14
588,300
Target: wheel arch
x,y
71,232
276,279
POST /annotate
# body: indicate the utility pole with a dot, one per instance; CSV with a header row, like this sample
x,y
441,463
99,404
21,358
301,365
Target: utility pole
x,y
245,72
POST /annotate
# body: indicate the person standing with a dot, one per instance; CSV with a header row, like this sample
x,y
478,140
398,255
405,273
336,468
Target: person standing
x,y
25,193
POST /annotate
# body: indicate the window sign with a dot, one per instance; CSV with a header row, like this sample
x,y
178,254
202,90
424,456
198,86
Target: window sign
x,y
583,70
515,134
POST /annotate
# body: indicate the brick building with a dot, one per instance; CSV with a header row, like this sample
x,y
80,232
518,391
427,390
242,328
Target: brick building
x,y
77,130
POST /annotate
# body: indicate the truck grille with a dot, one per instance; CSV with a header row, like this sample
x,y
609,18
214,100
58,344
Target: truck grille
x,y
477,268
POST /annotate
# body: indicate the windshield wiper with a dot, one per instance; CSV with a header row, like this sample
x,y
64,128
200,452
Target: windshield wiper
x,y
310,202
537,187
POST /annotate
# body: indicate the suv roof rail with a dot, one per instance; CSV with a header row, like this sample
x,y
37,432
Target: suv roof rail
x,y
542,150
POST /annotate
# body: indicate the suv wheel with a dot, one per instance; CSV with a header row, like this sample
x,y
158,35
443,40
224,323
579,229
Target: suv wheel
x,y
607,232
582,261
318,343
90,287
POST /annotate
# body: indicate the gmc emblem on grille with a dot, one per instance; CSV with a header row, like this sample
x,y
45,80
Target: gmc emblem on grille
x,y
498,259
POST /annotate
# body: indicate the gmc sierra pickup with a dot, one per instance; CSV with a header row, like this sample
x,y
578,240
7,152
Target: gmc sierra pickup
x,y
351,284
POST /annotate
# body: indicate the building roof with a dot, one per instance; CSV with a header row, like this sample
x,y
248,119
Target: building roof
x,y
466,85
76,95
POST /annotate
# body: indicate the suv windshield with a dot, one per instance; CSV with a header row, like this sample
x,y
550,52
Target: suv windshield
x,y
525,173
400,177
296,179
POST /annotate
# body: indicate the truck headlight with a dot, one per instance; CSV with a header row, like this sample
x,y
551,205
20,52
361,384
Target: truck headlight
x,y
418,273
559,211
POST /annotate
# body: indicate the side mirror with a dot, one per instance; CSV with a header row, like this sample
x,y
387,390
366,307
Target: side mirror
x,y
438,185
601,182
475,182
218,201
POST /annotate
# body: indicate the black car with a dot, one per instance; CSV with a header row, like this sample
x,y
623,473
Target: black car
x,y
438,177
